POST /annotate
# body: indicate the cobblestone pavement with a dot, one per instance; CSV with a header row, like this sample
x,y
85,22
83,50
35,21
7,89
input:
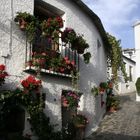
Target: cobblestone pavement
x,y
121,125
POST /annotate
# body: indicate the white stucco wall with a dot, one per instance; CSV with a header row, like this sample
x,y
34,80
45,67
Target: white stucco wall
x,y
137,49
95,71
90,75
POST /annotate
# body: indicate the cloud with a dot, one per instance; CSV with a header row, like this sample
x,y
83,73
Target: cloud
x,y
114,13
117,17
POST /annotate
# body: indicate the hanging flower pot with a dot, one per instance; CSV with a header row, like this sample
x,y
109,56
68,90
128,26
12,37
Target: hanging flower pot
x,y
22,24
74,45
80,50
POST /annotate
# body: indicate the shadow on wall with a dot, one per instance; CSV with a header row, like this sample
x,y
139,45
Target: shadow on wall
x,y
92,76
93,111
112,136
7,29
53,86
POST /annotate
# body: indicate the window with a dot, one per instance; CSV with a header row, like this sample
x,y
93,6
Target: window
x,y
46,51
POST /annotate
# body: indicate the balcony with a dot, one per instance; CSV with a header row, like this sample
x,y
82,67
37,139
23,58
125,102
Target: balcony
x,y
51,58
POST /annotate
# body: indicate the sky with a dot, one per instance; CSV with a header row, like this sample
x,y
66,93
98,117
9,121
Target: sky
x,y
118,18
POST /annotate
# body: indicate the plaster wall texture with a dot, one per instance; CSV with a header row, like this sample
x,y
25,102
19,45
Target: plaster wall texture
x,y
93,73
137,48
90,75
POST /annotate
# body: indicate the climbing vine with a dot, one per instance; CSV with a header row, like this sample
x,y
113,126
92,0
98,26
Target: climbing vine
x,y
115,60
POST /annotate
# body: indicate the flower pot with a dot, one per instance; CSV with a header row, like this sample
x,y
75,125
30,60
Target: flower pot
x,y
80,126
80,131
74,45
22,24
65,104
112,109
80,50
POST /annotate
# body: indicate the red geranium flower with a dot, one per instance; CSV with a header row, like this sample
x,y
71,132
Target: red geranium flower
x,y
2,67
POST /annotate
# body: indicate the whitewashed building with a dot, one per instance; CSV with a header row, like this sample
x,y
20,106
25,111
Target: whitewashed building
x,y
137,49
77,16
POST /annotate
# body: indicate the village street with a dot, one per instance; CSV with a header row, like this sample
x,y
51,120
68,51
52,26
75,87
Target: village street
x,y
123,124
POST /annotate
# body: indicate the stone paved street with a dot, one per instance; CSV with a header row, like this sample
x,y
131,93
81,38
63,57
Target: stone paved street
x,y
123,124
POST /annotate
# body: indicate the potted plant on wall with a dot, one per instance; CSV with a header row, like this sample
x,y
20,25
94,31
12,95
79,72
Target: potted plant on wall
x,y
50,25
70,99
81,44
24,18
137,84
28,23
80,121
3,74
87,57
32,87
68,36
112,103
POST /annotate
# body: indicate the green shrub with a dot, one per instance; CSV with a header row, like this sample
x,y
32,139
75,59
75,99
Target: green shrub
x,y
138,85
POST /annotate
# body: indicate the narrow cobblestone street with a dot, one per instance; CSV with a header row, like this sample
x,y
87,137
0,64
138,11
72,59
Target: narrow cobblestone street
x,y
121,125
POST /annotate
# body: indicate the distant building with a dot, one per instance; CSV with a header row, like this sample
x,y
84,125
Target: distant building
x,y
137,51
129,61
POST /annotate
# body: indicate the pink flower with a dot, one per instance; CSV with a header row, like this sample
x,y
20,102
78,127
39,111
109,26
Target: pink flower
x,y
73,63
66,58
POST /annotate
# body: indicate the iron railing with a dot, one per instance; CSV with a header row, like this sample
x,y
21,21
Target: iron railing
x,y
63,51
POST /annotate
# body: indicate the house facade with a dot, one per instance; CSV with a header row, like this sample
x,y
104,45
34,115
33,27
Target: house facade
x,y
137,49
15,51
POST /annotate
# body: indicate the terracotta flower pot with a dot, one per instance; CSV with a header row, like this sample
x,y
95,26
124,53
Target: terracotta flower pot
x,y
22,24
112,109
64,104
80,131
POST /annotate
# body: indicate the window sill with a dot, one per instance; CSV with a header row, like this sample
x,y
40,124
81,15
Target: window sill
x,y
50,72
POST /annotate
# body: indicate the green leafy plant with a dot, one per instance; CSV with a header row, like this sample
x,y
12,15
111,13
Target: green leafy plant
x,y
115,60
70,99
79,119
68,36
87,57
102,86
95,91
24,15
51,24
81,44
112,101
11,103
27,23
137,84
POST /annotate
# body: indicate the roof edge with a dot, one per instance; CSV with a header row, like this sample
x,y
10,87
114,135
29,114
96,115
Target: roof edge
x,y
96,20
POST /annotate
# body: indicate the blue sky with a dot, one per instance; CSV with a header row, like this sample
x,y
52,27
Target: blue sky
x,y
118,17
